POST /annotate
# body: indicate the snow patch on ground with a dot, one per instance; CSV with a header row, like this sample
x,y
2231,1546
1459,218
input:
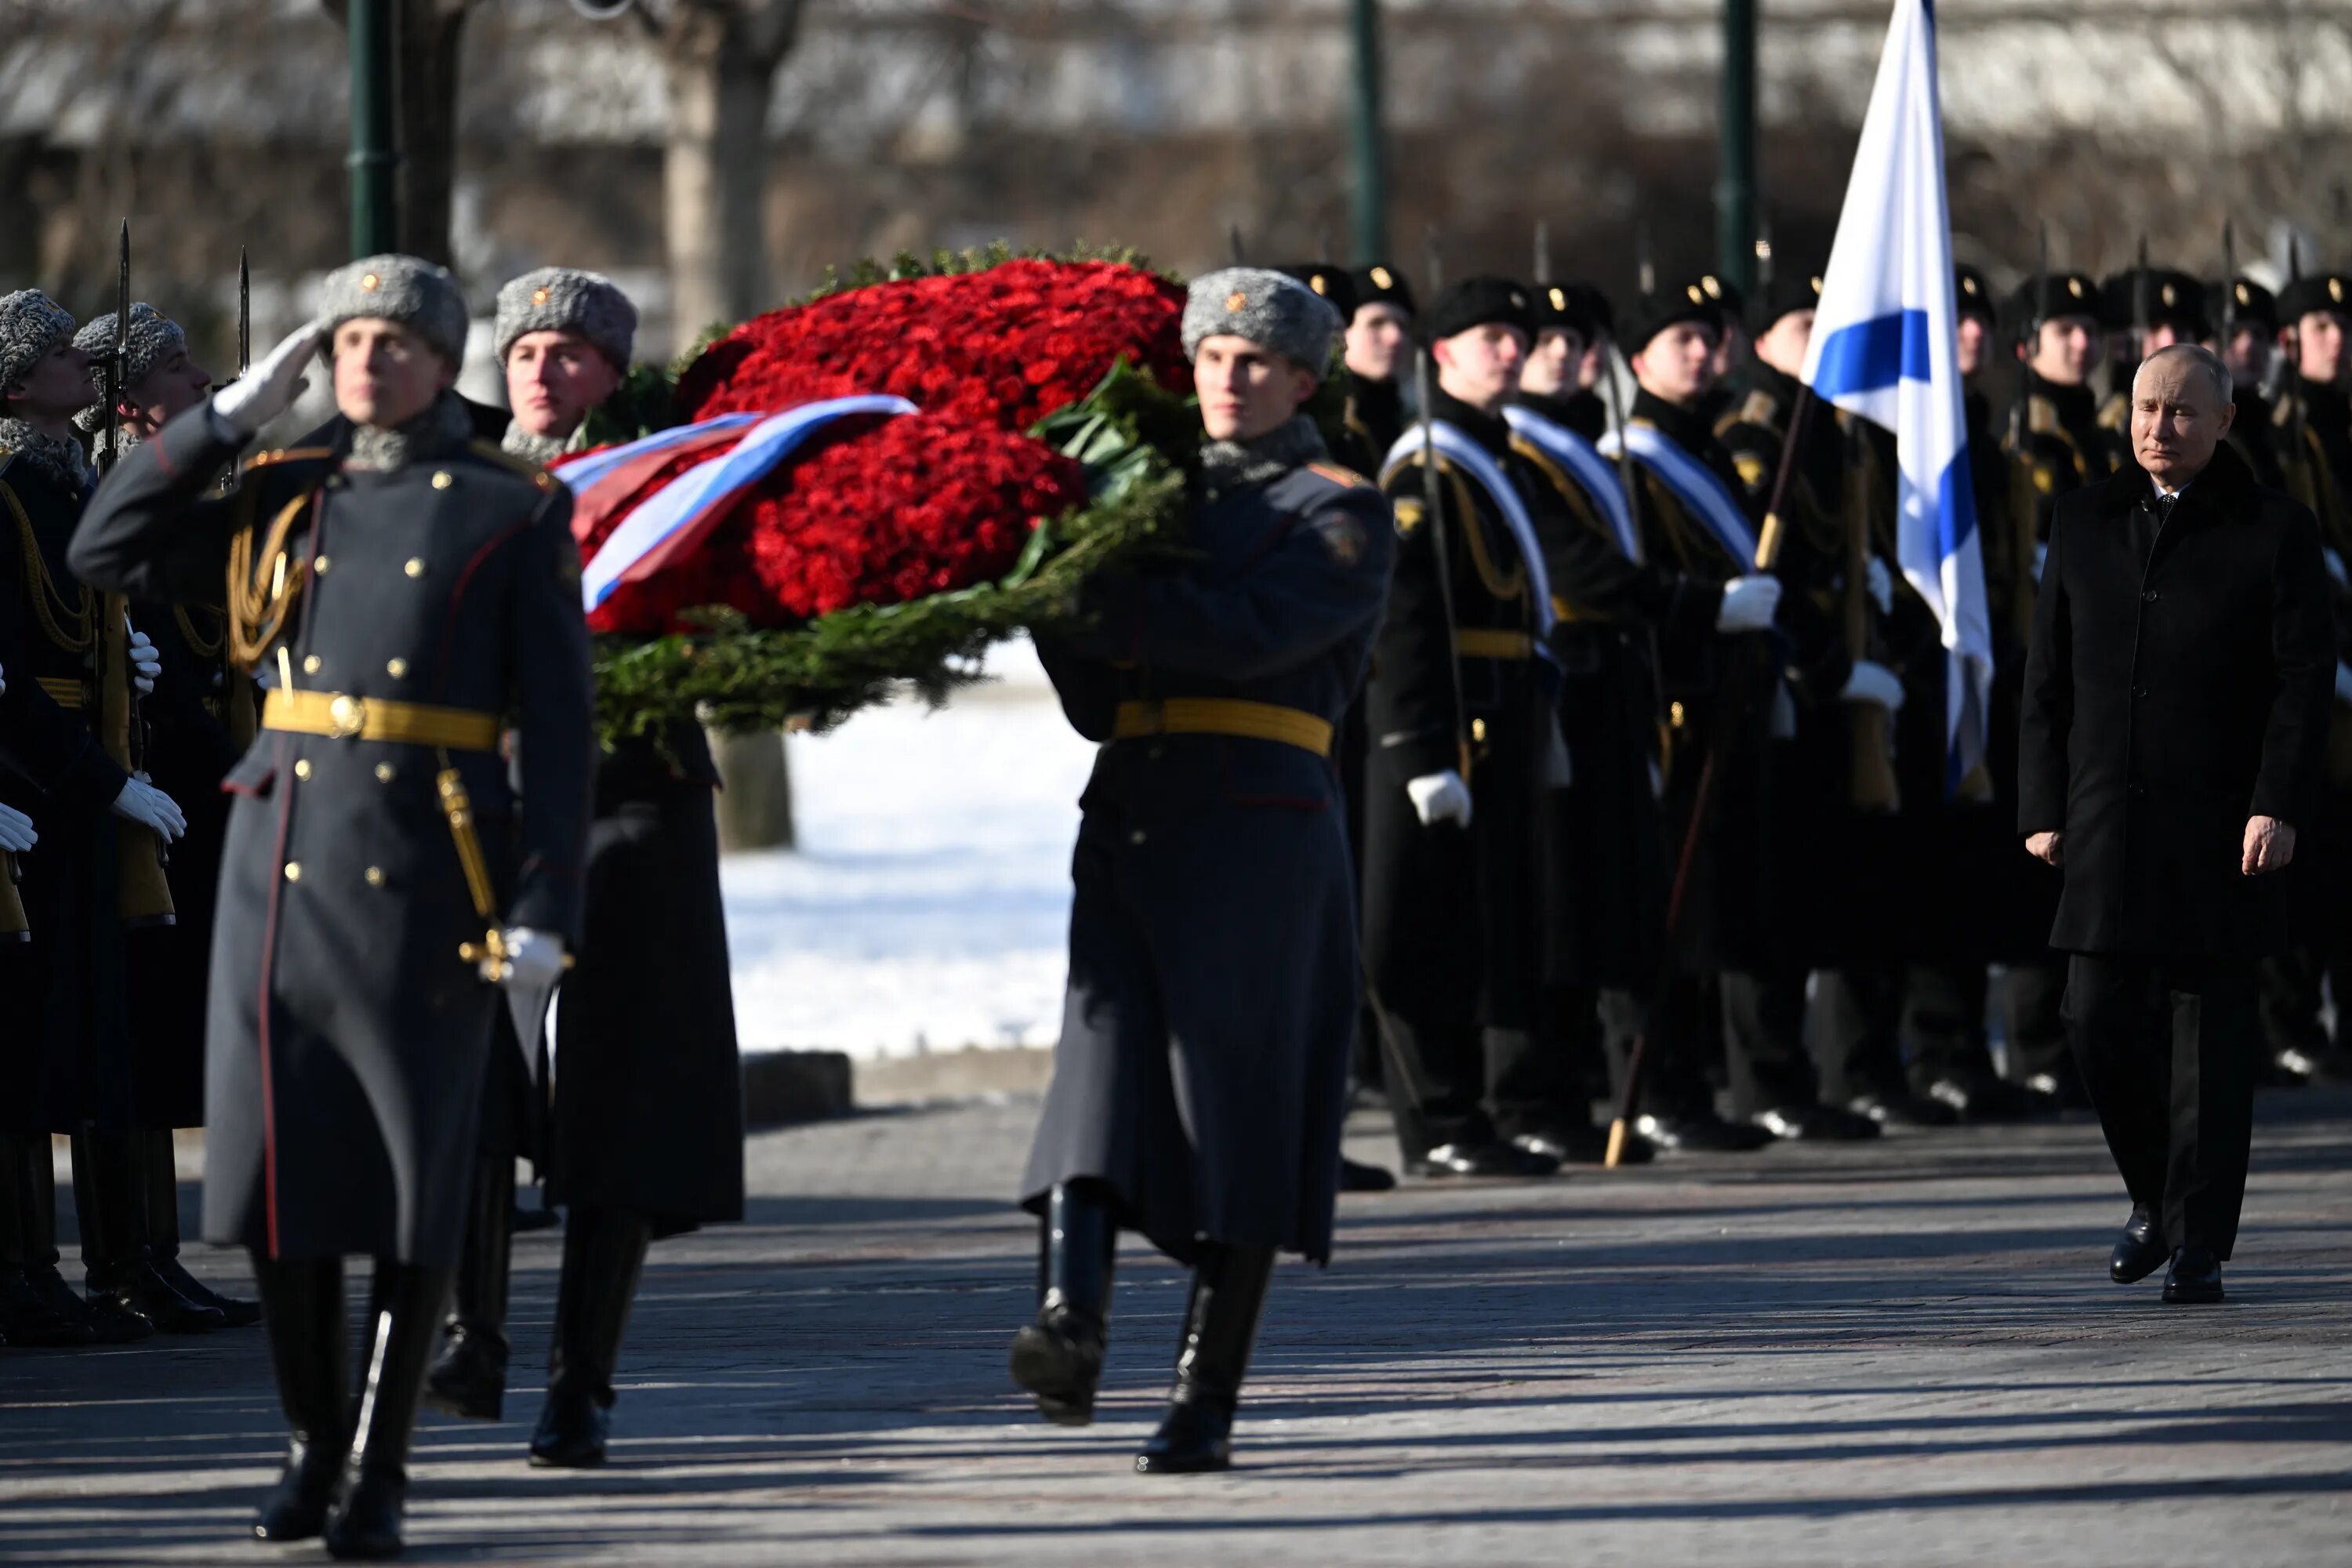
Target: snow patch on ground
x,y
928,904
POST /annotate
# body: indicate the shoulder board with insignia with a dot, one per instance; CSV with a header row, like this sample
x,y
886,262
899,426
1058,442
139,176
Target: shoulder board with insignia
x,y
2115,413
1752,468
491,452
1339,475
1761,408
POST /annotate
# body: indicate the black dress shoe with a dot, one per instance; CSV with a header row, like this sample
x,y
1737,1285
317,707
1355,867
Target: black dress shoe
x,y
2139,1251
1815,1124
541,1218
31,1322
1701,1134
1586,1145
1059,1359
135,1286
2299,1066
1982,1098
1496,1159
1902,1110
2195,1276
573,1429
2053,1093
235,1312
1355,1177
108,1321
468,1378
366,1526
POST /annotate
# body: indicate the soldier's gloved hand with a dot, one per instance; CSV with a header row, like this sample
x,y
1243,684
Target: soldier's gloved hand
x,y
1873,683
534,958
143,803
2343,683
146,664
1439,797
1882,587
1748,605
16,834
269,388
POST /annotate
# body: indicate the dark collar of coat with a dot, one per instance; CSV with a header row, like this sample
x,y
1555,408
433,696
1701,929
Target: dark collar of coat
x,y
2224,488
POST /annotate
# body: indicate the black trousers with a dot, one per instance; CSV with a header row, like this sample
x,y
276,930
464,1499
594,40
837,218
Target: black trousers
x,y
2168,1048
1943,1026
1764,1039
1856,1029
1435,1076
2039,1040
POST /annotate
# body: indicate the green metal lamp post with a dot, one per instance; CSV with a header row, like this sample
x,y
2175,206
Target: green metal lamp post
x,y
375,162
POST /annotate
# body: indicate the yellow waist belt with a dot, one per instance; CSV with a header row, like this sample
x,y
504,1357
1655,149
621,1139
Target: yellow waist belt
x,y
64,691
1474,643
346,718
1223,716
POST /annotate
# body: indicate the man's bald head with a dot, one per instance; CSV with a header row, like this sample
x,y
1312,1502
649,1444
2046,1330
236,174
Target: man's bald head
x,y
2181,407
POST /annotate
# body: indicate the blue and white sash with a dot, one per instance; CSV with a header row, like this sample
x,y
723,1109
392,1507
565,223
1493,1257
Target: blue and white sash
x,y
1588,467
1693,484
1481,465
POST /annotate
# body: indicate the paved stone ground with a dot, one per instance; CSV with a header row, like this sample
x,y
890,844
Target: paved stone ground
x,y
1906,1354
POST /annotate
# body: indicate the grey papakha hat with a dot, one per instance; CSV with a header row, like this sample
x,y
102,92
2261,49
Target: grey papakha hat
x,y
568,299
403,288
1272,309
31,324
153,335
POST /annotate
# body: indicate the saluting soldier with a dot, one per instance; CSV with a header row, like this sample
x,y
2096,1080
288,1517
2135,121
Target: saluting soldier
x,y
1200,1083
403,595
74,668
197,722
1975,901
1826,899
1378,353
2310,435
1463,743
647,1138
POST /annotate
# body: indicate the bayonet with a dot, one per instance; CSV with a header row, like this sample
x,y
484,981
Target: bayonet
x,y
1433,505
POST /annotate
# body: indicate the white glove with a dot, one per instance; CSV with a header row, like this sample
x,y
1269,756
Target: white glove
x,y
269,388
2343,683
534,959
1873,683
143,803
16,834
146,664
1748,605
1882,587
1439,797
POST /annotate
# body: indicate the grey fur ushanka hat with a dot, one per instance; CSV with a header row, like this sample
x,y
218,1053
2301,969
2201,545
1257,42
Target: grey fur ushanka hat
x,y
415,293
1272,309
568,299
153,335
31,324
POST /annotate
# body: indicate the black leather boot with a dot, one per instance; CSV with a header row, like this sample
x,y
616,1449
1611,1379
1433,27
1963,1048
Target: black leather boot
x,y
164,1236
1059,1357
108,1321
28,1319
1220,1326
404,1315
304,1301
604,1252
469,1376
110,1201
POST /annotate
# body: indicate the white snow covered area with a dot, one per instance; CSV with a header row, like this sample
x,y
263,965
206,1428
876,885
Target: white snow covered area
x,y
928,903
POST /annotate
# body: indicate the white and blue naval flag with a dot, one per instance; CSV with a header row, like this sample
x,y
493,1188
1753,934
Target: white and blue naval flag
x,y
1883,347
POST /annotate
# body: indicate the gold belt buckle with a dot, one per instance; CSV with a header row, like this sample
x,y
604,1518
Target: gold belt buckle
x,y
348,714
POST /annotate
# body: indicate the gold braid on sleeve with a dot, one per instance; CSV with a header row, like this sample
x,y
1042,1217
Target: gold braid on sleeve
x,y
73,628
258,612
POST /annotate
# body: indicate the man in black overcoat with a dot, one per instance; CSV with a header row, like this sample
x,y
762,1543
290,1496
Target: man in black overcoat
x,y
408,594
646,1134
1200,1082
2172,737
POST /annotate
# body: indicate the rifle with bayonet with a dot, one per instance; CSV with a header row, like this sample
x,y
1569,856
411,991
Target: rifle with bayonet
x,y
1434,504
144,894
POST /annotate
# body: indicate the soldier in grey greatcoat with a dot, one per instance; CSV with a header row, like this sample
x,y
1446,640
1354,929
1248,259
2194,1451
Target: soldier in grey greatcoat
x,y
1200,1082
405,595
647,1138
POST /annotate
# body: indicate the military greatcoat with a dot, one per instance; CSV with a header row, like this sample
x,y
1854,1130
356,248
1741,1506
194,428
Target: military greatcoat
x,y
1202,1063
346,1036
